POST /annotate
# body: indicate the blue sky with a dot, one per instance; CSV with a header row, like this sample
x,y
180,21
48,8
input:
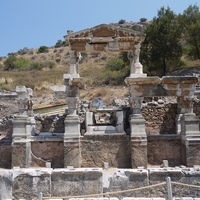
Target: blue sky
x,y
33,23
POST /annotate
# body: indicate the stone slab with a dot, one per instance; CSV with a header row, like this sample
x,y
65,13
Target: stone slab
x,y
77,181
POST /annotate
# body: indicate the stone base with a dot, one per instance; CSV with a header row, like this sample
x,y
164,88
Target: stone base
x,y
191,149
138,141
23,127
72,126
137,125
137,75
72,153
190,136
138,152
21,154
190,125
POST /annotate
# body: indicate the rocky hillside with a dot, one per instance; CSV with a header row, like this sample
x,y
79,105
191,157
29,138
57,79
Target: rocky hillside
x,y
54,63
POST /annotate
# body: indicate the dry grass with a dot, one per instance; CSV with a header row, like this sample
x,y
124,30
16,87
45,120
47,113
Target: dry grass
x,y
90,68
106,93
40,81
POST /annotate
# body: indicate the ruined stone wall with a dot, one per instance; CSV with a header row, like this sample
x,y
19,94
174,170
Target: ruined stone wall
x,y
52,124
196,107
160,117
113,149
6,127
164,147
27,183
52,152
5,153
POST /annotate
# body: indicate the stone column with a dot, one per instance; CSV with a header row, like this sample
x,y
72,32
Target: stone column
x,y
72,150
75,58
190,134
138,134
23,127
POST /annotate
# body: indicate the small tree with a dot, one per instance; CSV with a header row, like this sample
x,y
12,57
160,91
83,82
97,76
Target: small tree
x,y
121,21
161,47
21,63
42,49
115,71
59,43
9,62
190,21
142,20
115,64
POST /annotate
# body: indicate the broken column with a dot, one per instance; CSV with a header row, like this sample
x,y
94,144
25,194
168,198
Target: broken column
x,y
187,121
136,66
72,150
23,127
137,121
138,134
190,134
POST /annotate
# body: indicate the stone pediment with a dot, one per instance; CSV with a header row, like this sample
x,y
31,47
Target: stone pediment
x,y
104,38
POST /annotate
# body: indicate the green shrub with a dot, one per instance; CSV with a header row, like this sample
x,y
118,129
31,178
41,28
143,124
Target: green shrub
x,y
9,62
36,66
190,52
49,64
111,77
43,49
143,19
60,43
41,65
58,60
21,63
115,64
121,21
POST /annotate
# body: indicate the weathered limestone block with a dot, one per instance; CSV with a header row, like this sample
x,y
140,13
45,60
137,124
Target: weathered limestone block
x,y
81,181
72,127
27,183
179,85
164,147
190,136
6,152
5,184
21,154
158,175
138,152
124,179
93,198
48,151
72,153
184,175
192,152
137,125
144,198
113,149
190,125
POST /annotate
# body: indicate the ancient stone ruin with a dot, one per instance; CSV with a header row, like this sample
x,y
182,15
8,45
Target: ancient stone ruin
x,y
108,136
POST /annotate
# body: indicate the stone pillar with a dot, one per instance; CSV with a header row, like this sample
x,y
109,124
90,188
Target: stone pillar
x,y
72,150
89,121
75,57
190,134
23,127
138,134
